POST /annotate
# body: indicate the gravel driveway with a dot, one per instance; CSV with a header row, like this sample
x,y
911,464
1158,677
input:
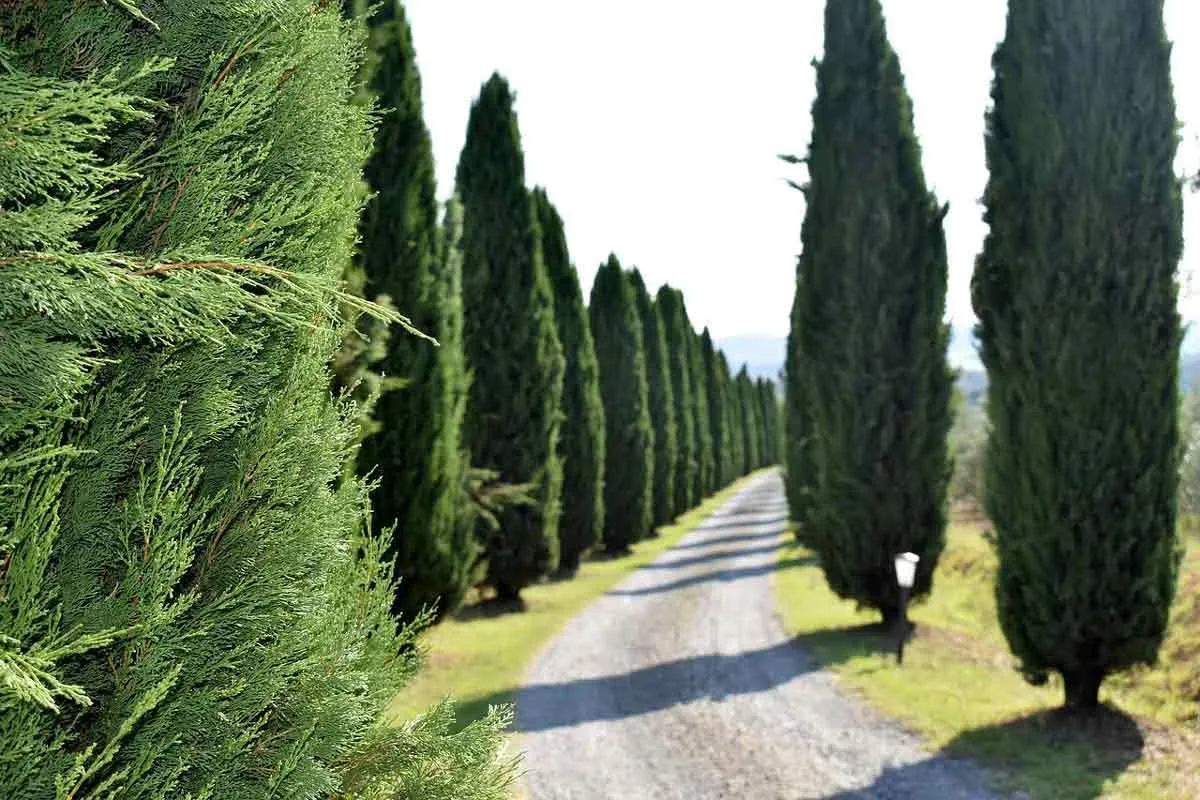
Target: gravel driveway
x,y
681,683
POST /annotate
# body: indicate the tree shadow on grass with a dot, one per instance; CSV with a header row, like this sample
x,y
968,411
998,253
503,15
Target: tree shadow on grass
x,y
833,646
1059,753
1056,755
490,608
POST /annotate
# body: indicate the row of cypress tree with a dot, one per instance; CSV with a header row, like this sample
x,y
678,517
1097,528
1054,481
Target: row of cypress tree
x,y
572,406
654,370
191,604
1076,294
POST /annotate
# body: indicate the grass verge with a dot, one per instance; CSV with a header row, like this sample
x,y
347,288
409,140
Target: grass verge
x,y
480,660
958,689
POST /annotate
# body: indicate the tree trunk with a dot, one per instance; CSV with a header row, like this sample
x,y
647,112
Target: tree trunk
x,y
1082,688
893,617
567,569
507,593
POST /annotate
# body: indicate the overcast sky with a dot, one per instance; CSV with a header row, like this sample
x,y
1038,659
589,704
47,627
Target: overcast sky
x,y
655,127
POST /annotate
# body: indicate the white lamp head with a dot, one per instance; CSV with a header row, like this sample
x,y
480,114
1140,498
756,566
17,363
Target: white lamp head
x,y
906,569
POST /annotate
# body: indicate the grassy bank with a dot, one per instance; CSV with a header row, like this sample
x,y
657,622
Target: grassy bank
x,y
480,659
958,689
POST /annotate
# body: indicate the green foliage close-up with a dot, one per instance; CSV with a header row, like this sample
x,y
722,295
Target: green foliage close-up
x,y
190,602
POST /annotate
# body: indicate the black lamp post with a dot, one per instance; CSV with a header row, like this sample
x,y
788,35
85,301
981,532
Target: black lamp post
x,y
906,575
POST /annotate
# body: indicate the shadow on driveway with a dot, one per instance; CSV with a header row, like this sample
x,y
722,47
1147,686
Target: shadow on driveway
x,y
724,575
717,555
545,706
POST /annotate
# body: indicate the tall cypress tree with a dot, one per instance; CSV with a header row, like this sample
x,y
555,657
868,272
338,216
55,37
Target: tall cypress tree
x,y
190,604
751,429
1076,296
416,453
714,389
706,443
677,332
798,435
581,445
872,336
514,408
731,415
771,421
629,448
662,402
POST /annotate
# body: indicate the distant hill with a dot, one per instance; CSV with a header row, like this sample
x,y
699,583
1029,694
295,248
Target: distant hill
x,y
764,356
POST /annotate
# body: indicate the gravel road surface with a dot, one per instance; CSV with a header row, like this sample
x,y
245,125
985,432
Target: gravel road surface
x,y
681,683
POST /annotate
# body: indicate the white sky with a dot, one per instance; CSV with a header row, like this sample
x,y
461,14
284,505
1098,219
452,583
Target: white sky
x,y
655,127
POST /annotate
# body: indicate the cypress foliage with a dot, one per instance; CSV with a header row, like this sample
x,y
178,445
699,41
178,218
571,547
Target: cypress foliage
x,y
416,453
752,425
662,402
514,408
731,420
798,435
190,604
718,421
677,333
629,448
581,446
769,404
356,364
706,443
872,337
1076,296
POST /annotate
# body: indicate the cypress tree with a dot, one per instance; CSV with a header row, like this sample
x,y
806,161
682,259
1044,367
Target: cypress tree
x,y
514,407
677,332
662,402
731,420
190,604
629,448
798,435
706,444
416,452
771,419
761,445
714,389
1076,297
872,337
751,422
581,446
